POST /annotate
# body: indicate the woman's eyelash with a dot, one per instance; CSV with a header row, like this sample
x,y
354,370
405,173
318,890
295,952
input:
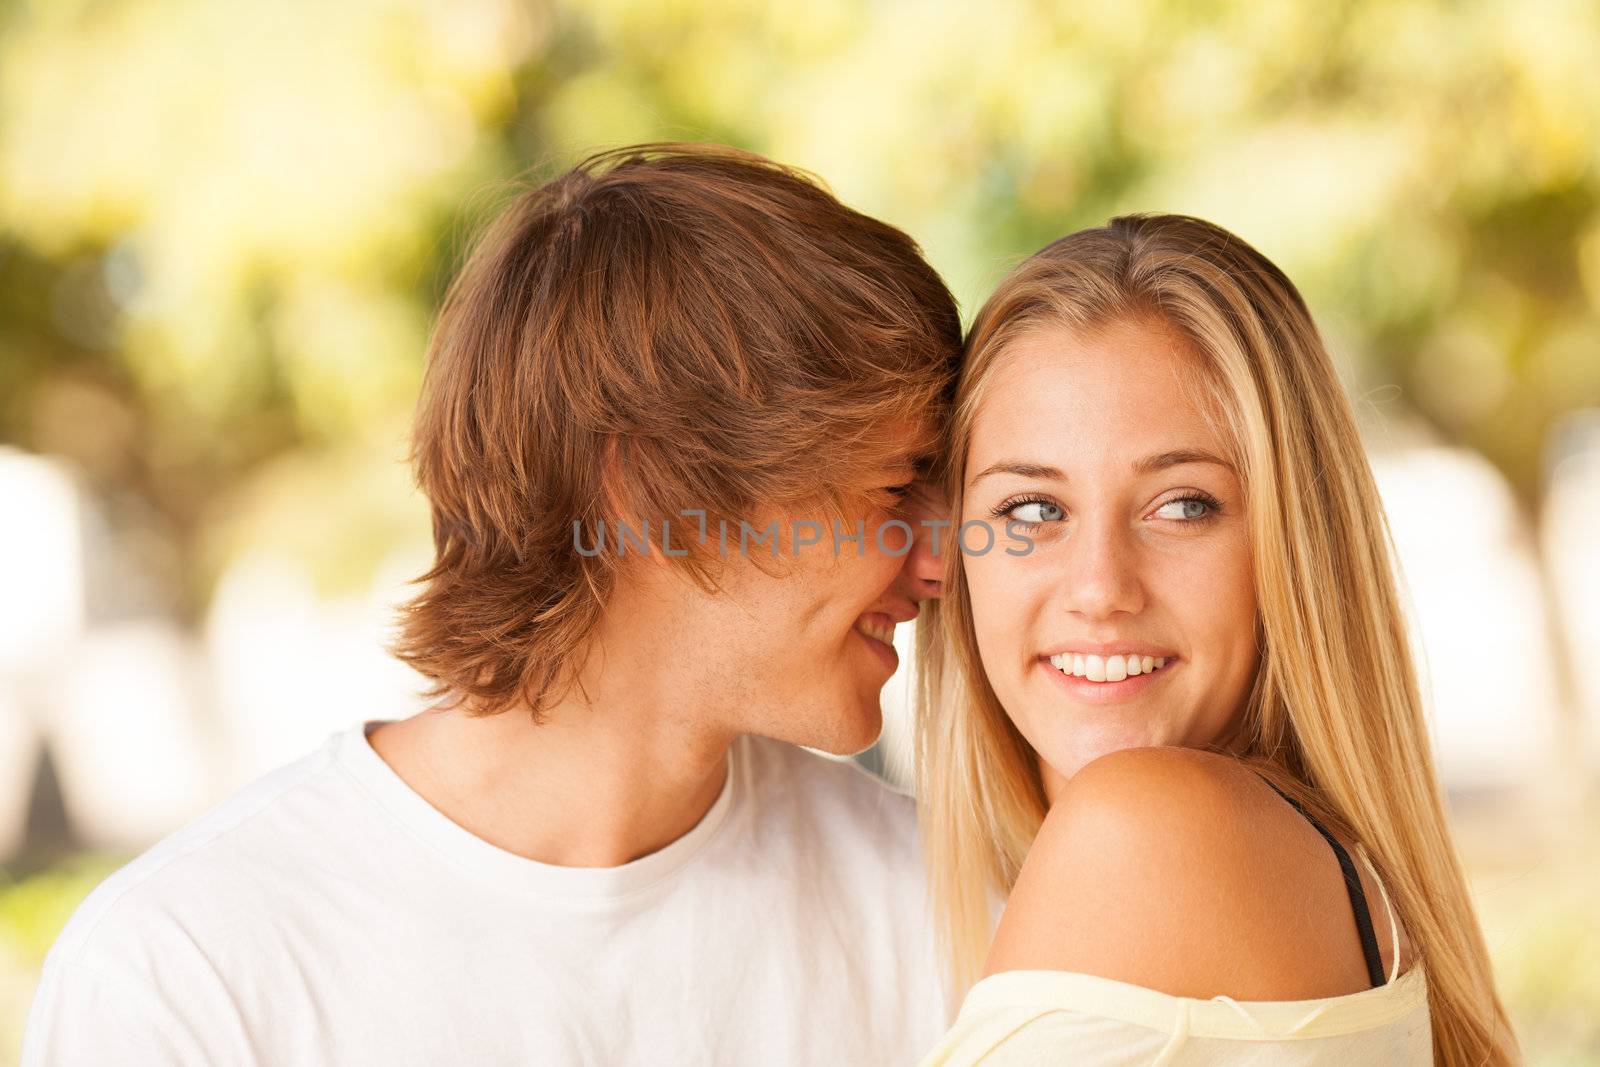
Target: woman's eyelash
x,y
1013,503
1213,505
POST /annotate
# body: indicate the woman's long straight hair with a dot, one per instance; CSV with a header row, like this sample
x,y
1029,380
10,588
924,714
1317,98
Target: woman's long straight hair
x,y
1335,706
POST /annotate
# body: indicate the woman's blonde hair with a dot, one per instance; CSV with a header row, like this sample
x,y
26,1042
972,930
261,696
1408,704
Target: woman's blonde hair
x,y
1335,706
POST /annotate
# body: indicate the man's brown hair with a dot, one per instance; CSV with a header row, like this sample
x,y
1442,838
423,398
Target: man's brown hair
x,y
664,327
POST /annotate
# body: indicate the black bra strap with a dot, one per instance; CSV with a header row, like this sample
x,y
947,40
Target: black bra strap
x,y
1352,884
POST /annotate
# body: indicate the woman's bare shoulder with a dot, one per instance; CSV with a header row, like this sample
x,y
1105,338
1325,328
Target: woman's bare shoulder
x,y
1182,871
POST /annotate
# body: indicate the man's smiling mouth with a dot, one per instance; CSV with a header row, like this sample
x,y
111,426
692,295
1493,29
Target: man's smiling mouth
x,y
877,626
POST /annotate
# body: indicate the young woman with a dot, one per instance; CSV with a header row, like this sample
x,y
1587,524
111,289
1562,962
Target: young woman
x,y
1181,738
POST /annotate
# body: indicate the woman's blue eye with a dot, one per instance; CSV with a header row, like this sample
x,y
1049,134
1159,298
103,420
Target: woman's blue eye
x,y
1187,509
1035,511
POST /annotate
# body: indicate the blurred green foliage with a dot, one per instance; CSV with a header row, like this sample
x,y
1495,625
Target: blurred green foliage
x,y
224,225
35,908
1534,888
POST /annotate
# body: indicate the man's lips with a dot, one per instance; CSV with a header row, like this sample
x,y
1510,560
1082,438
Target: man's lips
x,y
877,625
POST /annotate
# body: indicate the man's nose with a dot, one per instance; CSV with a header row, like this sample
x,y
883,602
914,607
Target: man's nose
x,y
925,510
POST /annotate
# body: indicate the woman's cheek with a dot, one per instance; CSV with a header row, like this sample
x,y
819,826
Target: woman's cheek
x,y
999,590
1230,622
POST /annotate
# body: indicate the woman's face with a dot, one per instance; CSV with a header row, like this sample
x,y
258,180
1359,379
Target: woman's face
x,y
1132,622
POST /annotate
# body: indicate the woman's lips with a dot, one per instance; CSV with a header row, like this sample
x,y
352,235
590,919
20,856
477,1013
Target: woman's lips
x,y
1086,691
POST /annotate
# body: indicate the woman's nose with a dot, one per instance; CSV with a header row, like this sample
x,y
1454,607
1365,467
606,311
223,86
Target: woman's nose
x,y
1103,578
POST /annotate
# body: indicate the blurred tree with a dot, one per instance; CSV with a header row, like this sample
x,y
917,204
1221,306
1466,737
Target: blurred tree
x,y
223,225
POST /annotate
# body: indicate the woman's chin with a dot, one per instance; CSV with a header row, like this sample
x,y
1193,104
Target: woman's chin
x,y
1066,758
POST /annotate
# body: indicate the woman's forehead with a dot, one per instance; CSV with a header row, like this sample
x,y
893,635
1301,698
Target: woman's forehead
x,y
1120,390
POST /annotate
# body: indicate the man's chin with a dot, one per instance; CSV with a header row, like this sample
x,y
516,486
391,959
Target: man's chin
x,y
845,736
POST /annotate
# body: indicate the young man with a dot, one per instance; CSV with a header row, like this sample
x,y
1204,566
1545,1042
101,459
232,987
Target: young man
x,y
672,404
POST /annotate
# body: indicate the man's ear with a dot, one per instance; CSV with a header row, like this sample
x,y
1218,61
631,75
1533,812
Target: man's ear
x,y
612,496
621,506
616,508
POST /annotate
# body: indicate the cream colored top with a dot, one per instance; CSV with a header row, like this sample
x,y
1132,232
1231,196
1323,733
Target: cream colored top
x,y
1028,1018
1034,1018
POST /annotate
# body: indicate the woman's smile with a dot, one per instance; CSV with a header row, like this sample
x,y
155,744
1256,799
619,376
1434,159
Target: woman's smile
x,y
1106,679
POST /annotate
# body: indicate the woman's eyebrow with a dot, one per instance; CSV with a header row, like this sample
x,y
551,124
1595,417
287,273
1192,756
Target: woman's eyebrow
x,y
1155,462
1177,457
1016,466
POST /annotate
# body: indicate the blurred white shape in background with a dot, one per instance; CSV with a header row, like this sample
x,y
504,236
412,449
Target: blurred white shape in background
x,y
41,562
1571,529
116,703
291,666
147,724
126,738
896,746
19,749
41,615
1472,589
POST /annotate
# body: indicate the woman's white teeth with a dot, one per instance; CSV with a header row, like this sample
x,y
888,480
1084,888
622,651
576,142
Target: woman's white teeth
x,y
1106,668
872,628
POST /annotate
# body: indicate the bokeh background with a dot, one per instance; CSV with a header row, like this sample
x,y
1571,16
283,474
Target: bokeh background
x,y
225,225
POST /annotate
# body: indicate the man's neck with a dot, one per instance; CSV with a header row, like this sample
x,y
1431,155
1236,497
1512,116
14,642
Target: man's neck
x,y
589,786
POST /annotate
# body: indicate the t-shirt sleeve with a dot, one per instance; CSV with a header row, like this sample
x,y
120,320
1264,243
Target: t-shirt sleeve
x,y
84,1017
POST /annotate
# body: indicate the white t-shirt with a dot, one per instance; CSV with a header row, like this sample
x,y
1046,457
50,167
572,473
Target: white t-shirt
x,y
327,914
